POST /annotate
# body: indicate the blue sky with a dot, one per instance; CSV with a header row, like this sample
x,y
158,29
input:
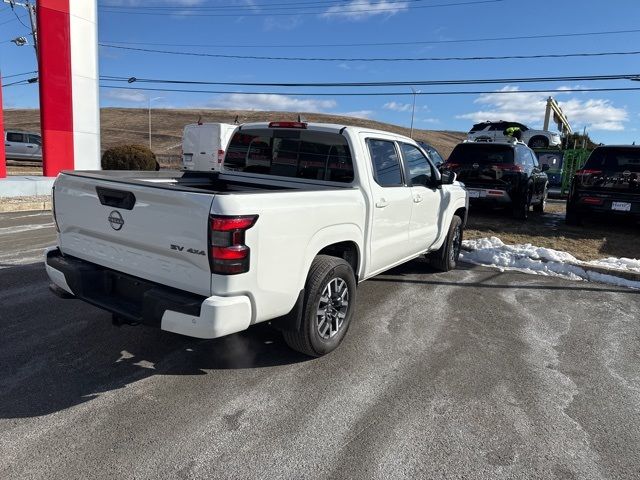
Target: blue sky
x,y
610,117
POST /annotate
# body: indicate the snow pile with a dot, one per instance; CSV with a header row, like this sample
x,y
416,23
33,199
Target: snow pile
x,y
624,264
528,258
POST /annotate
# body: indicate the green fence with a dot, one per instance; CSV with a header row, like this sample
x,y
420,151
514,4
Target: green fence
x,y
572,160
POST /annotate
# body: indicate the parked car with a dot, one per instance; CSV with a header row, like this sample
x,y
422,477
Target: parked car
x,y
501,174
609,183
203,145
22,145
497,132
208,254
434,155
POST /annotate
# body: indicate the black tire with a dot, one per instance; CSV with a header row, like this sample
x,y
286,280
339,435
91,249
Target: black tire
x,y
521,207
309,340
572,217
540,206
539,142
446,257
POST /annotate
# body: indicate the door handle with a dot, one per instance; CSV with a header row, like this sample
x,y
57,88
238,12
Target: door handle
x,y
417,199
381,203
30,146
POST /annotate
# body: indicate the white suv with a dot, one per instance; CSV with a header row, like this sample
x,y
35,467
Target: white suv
x,y
496,132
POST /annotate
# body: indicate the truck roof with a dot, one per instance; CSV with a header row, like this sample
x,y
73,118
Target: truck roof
x,y
330,128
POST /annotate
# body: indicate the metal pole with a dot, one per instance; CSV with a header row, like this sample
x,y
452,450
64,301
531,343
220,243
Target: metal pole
x,y
413,111
3,163
34,29
149,123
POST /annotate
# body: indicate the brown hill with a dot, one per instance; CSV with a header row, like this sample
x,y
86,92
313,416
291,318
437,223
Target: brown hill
x,y
129,125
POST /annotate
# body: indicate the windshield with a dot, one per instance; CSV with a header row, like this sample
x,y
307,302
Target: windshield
x,y
481,153
291,153
614,159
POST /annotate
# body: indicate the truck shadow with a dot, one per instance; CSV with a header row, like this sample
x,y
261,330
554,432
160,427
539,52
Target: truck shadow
x,y
55,353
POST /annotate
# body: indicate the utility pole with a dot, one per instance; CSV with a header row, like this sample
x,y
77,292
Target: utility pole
x,y
413,111
149,99
31,9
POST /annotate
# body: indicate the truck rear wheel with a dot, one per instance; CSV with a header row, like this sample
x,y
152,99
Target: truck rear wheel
x,y
329,300
446,258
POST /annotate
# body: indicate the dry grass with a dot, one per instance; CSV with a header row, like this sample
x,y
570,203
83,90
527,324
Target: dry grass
x,y
129,125
592,241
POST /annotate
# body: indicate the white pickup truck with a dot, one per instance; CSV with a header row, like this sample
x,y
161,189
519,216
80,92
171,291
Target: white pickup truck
x,y
298,216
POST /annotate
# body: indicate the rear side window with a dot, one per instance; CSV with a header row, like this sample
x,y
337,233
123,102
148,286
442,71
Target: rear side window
x,y
291,153
478,127
481,153
386,163
614,159
15,137
35,139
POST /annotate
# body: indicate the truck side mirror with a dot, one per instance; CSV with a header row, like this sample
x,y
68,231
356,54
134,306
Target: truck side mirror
x,y
447,177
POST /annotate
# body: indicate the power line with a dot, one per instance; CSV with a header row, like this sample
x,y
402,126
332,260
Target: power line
x,y
13,20
19,19
255,6
378,94
572,78
382,44
297,13
16,83
372,59
18,74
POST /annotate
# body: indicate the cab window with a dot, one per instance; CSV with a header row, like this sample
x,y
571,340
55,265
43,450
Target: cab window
x,y
16,137
386,163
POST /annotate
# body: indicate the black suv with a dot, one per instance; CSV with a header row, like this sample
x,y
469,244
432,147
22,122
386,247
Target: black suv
x,y
501,174
609,183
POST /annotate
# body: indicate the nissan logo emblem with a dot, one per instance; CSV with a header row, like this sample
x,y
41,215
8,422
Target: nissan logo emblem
x,y
476,165
115,220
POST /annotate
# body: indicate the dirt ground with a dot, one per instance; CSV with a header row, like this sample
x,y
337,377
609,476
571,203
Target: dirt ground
x,y
592,241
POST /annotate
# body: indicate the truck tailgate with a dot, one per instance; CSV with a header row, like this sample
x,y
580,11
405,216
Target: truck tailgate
x,y
152,233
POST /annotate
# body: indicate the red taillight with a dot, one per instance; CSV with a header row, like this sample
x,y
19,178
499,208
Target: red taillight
x,y
226,224
287,125
228,254
498,193
510,167
586,171
592,200
220,156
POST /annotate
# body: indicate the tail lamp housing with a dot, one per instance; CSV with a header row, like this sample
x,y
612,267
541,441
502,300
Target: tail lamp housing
x,y
228,254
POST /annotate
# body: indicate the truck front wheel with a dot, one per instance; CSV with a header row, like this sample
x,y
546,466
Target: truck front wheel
x,y
446,258
329,300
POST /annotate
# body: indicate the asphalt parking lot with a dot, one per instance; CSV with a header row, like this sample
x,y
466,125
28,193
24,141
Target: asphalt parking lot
x,y
468,374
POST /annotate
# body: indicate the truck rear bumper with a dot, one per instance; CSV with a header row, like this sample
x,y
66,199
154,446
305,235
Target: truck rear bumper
x,y
148,303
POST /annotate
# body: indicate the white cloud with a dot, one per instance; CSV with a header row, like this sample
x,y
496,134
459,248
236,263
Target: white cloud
x,y
595,114
362,9
133,96
430,120
398,107
357,113
271,102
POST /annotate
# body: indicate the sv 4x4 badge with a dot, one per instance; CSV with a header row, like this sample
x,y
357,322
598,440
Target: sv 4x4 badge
x,y
180,248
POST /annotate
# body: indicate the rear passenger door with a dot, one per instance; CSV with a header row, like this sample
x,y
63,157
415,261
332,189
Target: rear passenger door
x,y
425,218
392,206
34,147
